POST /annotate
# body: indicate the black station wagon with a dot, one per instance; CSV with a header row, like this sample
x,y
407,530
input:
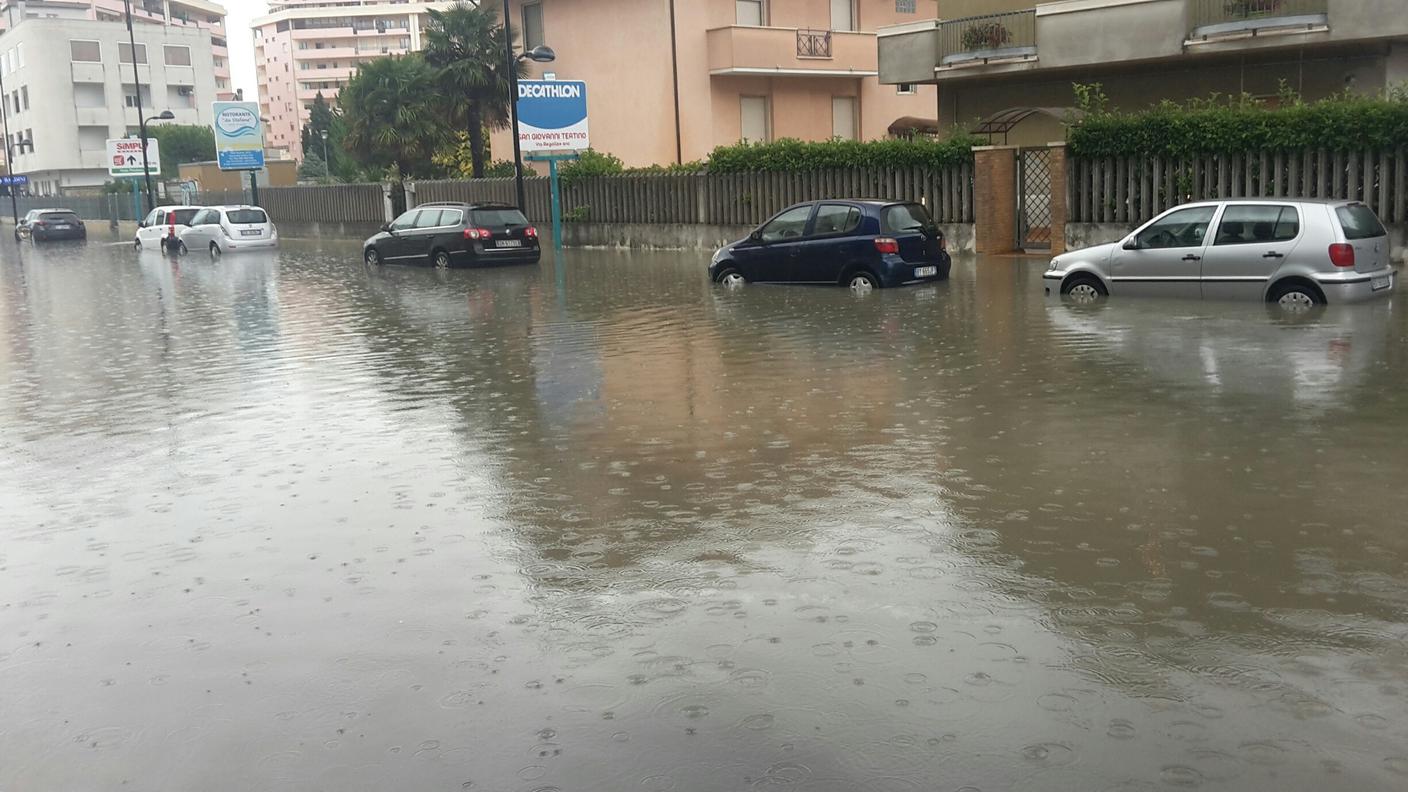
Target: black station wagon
x,y
455,234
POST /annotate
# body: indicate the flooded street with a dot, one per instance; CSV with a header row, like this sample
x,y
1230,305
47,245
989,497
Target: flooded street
x,y
283,522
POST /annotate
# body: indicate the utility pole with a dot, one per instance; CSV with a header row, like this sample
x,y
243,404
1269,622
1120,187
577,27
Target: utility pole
x,y
513,109
141,118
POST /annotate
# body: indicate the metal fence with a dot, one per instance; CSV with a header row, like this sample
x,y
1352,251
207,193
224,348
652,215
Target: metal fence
x,y
1214,14
1130,190
119,206
1010,34
719,199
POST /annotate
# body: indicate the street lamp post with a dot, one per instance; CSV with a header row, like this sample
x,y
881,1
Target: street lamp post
x,y
166,115
10,153
137,88
539,54
327,164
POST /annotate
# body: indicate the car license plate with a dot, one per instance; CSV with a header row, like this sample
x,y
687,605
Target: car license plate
x,y
925,272
509,243
1379,284
62,227
250,232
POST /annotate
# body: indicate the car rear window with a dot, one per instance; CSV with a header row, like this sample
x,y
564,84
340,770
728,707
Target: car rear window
x,y
185,216
498,217
1359,222
905,217
246,216
59,217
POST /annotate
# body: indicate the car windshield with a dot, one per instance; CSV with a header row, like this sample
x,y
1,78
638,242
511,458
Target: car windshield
x,y
1359,222
246,216
59,217
499,217
184,216
906,217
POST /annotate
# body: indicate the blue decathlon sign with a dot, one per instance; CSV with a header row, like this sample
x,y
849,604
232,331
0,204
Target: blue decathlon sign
x,y
239,135
552,115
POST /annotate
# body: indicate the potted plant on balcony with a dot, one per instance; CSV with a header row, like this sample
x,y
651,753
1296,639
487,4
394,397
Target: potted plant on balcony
x,y
988,35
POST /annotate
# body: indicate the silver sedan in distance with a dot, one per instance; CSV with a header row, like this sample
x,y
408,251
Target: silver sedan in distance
x,y
1294,252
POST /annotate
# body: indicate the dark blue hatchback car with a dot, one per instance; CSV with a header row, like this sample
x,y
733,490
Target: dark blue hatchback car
x,y
861,244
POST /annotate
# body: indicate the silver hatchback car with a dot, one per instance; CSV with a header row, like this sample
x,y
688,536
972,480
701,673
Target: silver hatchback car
x,y
1296,252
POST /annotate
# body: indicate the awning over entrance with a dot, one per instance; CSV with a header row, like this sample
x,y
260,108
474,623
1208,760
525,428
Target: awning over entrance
x,y
1003,121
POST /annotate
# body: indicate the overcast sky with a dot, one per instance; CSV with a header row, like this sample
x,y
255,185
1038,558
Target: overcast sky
x,y
239,13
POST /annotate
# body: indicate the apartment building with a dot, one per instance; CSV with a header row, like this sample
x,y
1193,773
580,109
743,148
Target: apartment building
x,y
306,47
669,80
70,88
170,13
1007,66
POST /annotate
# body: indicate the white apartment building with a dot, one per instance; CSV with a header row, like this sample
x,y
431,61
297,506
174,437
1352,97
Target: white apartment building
x,y
306,47
69,88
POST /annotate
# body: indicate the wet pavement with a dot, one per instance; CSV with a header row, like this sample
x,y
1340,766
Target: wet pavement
x,y
280,522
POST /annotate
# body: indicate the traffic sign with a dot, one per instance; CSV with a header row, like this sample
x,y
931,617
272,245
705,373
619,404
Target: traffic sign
x,y
125,157
552,115
239,136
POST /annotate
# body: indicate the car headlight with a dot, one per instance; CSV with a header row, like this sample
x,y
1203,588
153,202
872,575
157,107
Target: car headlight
x,y
1054,265
718,254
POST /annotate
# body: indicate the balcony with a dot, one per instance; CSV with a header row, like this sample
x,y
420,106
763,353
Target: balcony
x,y
89,73
325,52
92,116
1212,19
740,50
984,39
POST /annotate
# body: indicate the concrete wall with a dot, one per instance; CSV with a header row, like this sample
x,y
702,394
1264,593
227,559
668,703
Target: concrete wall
x,y
1115,34
701,237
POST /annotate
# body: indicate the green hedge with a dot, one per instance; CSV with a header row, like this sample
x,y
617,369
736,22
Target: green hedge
x,y
796,155
1238,125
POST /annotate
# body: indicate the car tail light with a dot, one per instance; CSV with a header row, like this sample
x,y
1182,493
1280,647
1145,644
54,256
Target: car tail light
x,y
38,223
1342,254
477,233
943,242
531,232
887,245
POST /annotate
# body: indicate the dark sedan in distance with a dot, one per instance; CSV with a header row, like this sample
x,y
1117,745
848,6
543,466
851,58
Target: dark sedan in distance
x,y
44,225
863,244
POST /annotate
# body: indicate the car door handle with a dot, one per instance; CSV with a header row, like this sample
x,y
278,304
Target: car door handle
x,y
1192,257
1273,254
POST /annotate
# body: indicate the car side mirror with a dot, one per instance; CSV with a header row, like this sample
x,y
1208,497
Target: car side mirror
x,y
756,236
1131,244
386,227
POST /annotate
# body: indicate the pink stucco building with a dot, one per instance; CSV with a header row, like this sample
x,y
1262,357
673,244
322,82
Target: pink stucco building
x,y
669,80
303,47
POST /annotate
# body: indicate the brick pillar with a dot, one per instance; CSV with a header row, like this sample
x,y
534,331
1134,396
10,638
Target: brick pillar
x,y
1060,214
995,199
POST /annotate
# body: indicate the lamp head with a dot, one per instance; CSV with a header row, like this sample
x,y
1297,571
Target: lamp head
x,y
166,115
541,54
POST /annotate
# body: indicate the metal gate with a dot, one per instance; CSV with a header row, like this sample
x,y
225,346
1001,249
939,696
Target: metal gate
x,y
1034,199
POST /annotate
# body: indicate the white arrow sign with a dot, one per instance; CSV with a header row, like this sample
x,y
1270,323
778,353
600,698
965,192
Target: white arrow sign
x,y
125,157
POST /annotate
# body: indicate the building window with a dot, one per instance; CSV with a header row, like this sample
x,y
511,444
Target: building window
x,y
843,15
756,124
24,96
905,7
85,52
19,53
750,12
176,55
905,89
532,25
29,135
124,52
843,117
16,97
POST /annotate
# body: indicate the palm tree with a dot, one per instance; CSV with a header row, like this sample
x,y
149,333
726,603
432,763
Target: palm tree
x,y
467,46
392,115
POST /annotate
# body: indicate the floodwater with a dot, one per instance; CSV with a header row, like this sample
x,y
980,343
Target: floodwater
x,y
280,522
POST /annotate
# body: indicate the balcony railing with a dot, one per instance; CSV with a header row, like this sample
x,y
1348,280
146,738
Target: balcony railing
x,y
813,43
979,39
1228,17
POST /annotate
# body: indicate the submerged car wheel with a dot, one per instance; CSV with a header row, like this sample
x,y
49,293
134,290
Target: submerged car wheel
x,y
442,259
214,249
1085,289
137,244
1296,298
372,257
732,279
863,282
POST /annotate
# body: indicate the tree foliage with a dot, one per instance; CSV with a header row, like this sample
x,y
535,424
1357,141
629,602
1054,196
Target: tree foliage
x,y
181,144
395,120
1223,124
797,155
466,45
456,161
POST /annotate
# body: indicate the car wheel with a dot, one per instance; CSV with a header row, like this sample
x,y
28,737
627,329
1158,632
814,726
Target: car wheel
x,y
1084,289
863,282
1296,298
214,249
442,259
732,279
136,244
372,257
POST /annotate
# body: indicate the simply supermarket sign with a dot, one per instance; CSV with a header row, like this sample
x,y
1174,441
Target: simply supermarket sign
x,y
552,115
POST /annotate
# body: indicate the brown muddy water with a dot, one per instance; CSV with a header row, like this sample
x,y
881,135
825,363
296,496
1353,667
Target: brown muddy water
x,y
281,522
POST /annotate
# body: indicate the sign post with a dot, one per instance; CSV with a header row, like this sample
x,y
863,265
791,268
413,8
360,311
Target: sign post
x,y
239,140
552,127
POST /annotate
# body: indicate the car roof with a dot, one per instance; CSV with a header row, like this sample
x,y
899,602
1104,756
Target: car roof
x,y
53,209
1273,199
462,205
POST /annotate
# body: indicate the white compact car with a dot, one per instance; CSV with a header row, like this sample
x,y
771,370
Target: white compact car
x,y
162,226
229,229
